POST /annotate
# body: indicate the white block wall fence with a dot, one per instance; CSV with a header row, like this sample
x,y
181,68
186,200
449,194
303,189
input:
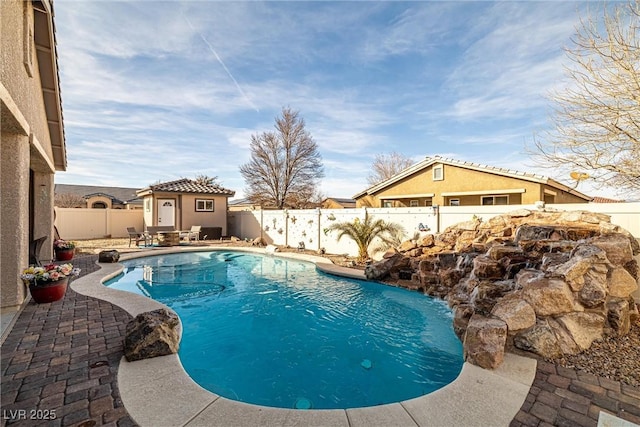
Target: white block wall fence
x,y
290,227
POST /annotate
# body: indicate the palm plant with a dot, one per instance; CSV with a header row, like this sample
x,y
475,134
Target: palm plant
x,y
364,232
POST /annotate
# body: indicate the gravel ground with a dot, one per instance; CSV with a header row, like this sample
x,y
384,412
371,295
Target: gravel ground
x,y
616,358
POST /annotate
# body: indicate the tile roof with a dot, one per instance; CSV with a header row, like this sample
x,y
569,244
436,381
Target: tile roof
x,y
116,194
185,185
598,199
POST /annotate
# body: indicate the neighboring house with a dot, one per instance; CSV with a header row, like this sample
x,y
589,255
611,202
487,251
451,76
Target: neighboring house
x,y
32,147
337,203
183,203
449,182
96,197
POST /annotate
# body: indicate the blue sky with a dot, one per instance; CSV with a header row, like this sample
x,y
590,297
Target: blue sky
x,y
156,91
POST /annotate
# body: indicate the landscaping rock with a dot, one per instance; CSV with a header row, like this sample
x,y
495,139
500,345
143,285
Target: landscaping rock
x,y
484,341
151,334
109,256
558,281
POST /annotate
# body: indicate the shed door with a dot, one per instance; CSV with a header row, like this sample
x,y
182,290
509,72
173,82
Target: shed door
x,y
166,212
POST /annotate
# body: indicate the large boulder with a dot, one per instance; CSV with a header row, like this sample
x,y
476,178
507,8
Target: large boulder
x,y
109,256
621,283
515,312
539,339
548,296
484,341
151,334
584,328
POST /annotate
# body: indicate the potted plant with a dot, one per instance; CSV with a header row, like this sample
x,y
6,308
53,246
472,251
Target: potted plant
x,y
48,283
64,249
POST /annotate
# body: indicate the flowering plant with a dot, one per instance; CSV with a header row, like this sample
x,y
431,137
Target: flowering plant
x,y
48,273
63,244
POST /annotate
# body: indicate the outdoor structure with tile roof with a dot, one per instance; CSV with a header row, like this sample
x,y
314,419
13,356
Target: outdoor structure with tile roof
x,y
102,196
444,181
184,203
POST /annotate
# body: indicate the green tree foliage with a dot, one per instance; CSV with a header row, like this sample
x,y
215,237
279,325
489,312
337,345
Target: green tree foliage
x,y
364,232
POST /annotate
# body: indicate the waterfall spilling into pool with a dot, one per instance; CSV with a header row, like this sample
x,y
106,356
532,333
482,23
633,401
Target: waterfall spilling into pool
x,y
276,332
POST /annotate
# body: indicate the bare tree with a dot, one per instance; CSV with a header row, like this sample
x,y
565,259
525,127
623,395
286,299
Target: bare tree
x,y
387,165
69,200
206,180
285,165
597,119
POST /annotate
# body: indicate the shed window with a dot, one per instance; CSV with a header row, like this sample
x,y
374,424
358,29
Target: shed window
x,y
204,205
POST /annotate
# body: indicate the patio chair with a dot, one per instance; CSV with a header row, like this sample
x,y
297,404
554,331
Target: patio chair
x,y
193,234
35,246
137,236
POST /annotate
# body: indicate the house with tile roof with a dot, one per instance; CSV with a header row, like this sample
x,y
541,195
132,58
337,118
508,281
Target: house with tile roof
x,y
184,203
449,182
101,197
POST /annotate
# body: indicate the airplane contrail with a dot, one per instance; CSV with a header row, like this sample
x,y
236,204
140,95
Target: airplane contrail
x,y
235,82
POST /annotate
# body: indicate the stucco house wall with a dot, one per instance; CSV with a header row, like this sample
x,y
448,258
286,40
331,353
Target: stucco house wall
x,y
32,139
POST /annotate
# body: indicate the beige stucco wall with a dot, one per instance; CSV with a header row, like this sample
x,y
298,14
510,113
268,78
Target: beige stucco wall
x,y
217,218
25,147
14,223
99,199
185,211
457,179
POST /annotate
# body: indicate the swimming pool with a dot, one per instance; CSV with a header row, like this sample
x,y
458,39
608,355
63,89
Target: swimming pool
x,y
277,332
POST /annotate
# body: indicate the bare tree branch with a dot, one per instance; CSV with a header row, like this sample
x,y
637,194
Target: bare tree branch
x,y
387,165
285,165
597,119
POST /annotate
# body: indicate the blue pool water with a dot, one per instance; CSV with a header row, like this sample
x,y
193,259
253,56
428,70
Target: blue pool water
x,y
277,332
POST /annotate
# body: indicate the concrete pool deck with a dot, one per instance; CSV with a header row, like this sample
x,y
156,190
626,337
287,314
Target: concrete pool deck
x,y
149,388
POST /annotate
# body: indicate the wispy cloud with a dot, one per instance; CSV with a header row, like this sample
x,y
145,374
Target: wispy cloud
x,y
186,83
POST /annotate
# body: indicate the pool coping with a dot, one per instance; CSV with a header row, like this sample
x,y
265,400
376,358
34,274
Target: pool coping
x,y
159,392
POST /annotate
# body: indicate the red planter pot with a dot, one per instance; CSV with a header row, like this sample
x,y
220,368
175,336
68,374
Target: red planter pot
x,y
49,291
64,254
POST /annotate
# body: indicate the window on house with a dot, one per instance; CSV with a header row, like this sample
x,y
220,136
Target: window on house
x,y
387,204
428,202
494,200
454,202
413,203
204,205
99,205
438,173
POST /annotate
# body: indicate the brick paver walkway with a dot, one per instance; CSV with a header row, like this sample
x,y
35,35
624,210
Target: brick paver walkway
x,y
566,397
60,361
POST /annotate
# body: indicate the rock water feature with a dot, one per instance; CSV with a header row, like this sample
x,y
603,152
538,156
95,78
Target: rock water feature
x,y
547,282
